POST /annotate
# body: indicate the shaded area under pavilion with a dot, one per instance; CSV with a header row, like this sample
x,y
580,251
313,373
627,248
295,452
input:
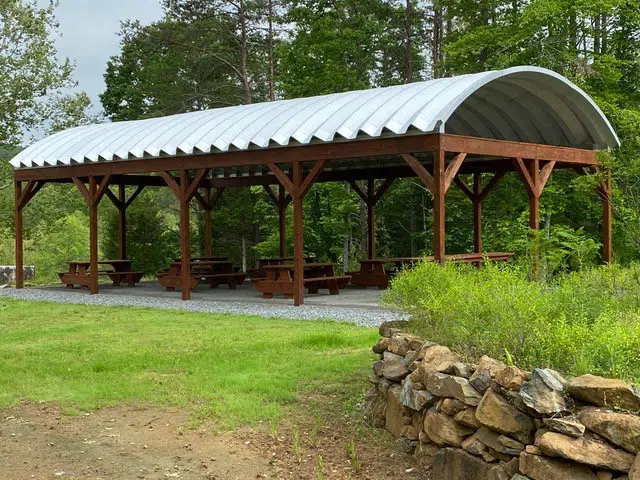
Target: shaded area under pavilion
x,y
525,120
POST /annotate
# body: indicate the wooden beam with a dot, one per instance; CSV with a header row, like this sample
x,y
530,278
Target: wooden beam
x,y
195,184
271,194
439,206
419,169
545,172
356,188
524,173
172,184
383,189
477,212
464,187
607,218
134,195
19,235
283,202
298,236
371,219
185,252
208,232
122,220
282,177
452,170
493,183
93,235
311,177
83,190
101,187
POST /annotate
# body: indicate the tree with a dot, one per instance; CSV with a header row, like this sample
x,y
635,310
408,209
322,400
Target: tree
x,y
34,82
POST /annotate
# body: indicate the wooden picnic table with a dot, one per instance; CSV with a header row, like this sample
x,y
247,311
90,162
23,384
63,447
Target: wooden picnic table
x,y
260,272
373,273
214,272
121,271
201,259
317,275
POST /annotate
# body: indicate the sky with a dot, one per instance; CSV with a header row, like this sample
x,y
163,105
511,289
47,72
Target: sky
x,y
89,31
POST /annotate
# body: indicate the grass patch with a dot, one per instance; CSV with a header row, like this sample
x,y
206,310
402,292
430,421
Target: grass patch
x,y
235,369
582,322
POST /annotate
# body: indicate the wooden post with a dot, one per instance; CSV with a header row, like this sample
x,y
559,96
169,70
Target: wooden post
x,y
534,195
122,221
185,257
439,192
477,213
607,216
93,236
282,220
208,239
371,219
19,233
298,237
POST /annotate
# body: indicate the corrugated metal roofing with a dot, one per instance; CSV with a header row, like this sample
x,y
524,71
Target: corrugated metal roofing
x,y
526,104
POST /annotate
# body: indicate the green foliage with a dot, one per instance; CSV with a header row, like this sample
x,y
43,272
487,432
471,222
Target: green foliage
x,y
236,370
34,82
581,321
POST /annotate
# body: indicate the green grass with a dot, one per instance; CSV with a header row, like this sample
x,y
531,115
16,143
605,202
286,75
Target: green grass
x,y
235,369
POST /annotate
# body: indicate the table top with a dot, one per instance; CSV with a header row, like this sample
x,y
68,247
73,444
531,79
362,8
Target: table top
x,y
204,263
102,262
204,259
281,259
395,260
290,266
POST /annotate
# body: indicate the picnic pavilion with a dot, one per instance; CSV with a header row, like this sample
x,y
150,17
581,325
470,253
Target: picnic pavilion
x,y
526,120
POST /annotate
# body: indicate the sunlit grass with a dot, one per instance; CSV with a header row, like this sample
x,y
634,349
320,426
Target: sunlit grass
x,y
233,369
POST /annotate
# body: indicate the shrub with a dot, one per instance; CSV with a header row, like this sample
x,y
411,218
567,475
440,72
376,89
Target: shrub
x,y
587,321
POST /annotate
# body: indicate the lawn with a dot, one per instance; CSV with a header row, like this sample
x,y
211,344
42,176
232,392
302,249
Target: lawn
x,y
234,369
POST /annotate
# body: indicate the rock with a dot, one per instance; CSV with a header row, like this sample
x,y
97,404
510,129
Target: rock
x,y
468,418
463,369
542,468
377,367
497,442
512,467
484,373
533,450
381,346
414,399
451,463
604,475
566,426
437,359
634,473
443,429
474,446
451,406
409,432
582,450
387,329
517,476
383,386
544,393
395,412
620,429
393,367
605,392
510,377
373,379
510,444
443,385
499,415
402,343
425,455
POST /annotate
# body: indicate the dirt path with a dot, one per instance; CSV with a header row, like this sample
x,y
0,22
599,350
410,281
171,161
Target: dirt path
x,y
39,442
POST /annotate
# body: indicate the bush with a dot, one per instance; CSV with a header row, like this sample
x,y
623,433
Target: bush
x,y
587,321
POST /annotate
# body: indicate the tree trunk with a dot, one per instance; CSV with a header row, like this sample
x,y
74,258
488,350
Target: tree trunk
x,y
244,53
409,44
272,96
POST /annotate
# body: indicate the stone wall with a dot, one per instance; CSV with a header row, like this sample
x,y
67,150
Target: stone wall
x,y
497,422
8,273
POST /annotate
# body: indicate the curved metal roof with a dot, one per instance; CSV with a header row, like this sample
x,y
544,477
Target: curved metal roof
x,y
527,104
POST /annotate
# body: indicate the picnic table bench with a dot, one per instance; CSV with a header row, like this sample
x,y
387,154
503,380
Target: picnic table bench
x,y
214,272
317,275
121,271
373,273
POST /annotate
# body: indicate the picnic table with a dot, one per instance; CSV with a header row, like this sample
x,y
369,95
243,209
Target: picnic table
x,y
373,273
204,259
317,275
121,271
214,272
260,272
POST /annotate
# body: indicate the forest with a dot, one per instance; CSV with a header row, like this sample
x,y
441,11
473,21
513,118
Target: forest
x,y
205,54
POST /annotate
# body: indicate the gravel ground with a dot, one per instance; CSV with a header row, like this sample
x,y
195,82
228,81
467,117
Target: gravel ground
x,y
358,316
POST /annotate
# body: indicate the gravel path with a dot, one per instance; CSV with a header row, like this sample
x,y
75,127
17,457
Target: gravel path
x,y
359,316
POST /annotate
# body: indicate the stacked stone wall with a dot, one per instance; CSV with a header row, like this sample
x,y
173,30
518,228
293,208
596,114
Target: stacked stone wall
x,y
488,420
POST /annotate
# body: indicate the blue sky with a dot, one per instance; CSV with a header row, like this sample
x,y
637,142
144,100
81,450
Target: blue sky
x,y
89,35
